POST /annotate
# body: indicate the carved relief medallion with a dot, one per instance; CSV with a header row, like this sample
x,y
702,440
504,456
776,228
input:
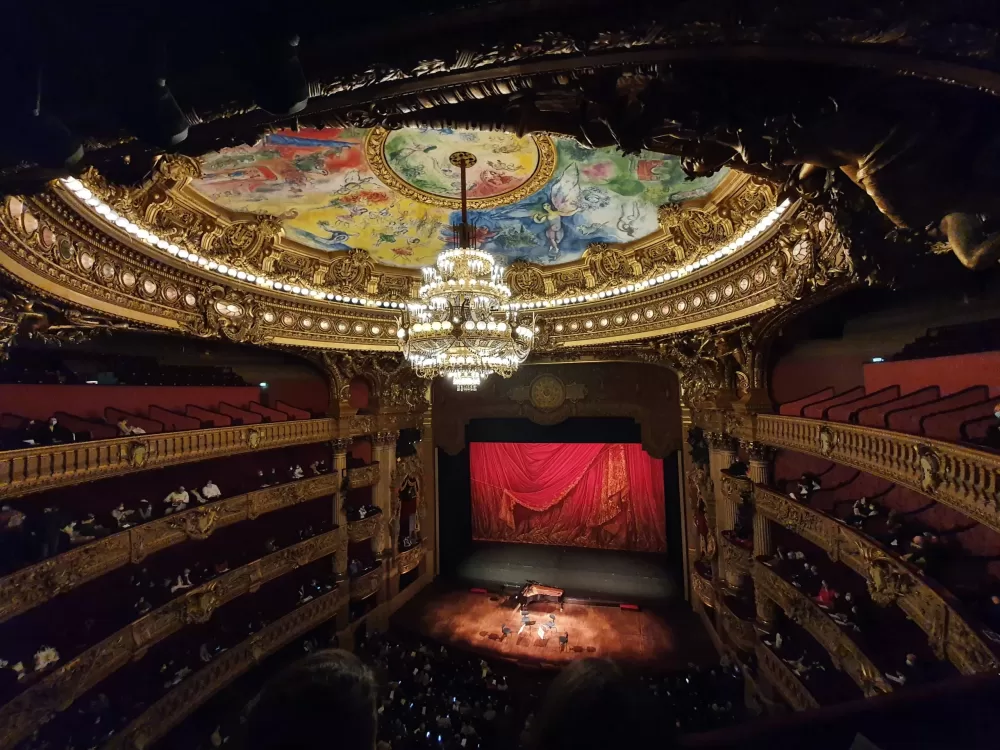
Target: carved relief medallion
x,y
547,393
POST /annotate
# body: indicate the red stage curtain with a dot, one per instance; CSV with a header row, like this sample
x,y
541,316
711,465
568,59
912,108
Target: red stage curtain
x,y
607,495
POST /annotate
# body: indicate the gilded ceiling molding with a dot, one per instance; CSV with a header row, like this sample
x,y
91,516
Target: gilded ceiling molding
x,y
58,690
950,632
30,587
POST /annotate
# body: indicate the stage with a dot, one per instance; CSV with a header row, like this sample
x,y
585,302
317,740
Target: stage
x,y
607,575
665,638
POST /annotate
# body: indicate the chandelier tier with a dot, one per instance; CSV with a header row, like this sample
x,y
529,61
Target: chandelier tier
x,y
461,326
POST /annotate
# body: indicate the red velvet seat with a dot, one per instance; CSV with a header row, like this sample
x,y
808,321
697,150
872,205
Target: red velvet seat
x,y
293,412
173,421
908,420
817,409
874,416
212,418
269,415
97,430
112,415
242,415
847,411
947,425
794,408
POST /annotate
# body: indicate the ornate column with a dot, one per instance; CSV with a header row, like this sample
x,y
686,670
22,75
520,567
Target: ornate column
x,y
427,503
384,451
340,446
722,454
761,457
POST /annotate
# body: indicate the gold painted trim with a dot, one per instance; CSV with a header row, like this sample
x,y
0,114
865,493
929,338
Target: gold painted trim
x,y
184,699
363,476
366,528
963,478
28,470
951,634
368,584
374,148
407,561
57,692
776,672
30,587
845,653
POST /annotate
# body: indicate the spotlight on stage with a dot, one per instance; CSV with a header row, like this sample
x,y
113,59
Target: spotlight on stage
x,y
280,85
158,120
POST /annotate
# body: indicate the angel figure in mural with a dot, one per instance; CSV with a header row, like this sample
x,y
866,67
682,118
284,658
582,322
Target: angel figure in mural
x,y
336,239
563,201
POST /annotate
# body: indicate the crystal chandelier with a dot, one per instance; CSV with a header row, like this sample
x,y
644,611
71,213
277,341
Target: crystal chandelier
x,y
461,325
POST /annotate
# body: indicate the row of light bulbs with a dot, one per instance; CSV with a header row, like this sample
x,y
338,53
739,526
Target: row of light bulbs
x,y
108,214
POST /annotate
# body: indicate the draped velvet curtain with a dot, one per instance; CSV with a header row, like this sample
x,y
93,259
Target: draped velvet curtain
x,y
607,495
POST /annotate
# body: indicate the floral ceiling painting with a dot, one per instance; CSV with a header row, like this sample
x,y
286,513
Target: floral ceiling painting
x,y
396,195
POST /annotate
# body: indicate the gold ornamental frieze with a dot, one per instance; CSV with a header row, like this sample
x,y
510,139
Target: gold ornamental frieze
x,y
28,588
951,632
409,560
364,586
38,468
363,476
963,478
784,679
184,699
58,690
366,528
846,654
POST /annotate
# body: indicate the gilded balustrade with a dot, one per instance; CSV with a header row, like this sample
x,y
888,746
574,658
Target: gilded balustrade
x,y
193,692
963,478
364,586
735,556
843,651
784,680
363,476
704,590
366,528
407,561
890,581
27,470
38,583
59,689
741,632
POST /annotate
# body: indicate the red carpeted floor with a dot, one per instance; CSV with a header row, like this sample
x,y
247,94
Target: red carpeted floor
x,y
473,621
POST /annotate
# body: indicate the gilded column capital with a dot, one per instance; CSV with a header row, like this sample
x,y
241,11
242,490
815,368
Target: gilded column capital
x,y
341,445
721,442
757,451
386,437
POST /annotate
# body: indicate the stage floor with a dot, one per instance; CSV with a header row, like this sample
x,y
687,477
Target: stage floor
x,y
585,573
666,639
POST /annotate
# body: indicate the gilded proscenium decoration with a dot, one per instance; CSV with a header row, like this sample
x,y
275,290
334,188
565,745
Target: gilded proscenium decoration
x,y
363,476
180,702
59,689
845,653
28,470
963,478
364,586
29,587
784,679
951,633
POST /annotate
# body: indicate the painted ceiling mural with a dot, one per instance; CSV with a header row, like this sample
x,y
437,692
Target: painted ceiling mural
x,y
395,193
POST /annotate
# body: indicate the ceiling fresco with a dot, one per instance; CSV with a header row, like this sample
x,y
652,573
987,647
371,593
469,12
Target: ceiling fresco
x,y
395,194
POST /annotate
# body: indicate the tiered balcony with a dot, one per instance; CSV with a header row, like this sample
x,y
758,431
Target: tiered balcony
x,y
365,585
362,476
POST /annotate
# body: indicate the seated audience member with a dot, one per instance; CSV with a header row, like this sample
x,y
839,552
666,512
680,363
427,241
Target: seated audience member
x,y
121,516
145,509
210,492
808,484
992,439
992,614
912,672
261,479
177,501
13,538
918,553
598,689
827,596
863,510
125,429
52,432
325,700
295,472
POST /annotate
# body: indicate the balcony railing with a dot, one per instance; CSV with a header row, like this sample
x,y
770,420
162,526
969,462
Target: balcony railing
x,y
364,586
966,479
742,632
890,581
407,561
59,689
845,653
197,689
366,528
784,679
704,590
27,470
36,584
362,476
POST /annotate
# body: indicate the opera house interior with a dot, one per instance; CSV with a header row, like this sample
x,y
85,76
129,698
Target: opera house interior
x,y
483,375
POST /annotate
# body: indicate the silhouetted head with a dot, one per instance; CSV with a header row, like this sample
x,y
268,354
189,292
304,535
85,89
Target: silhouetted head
x,y
326,700
593,705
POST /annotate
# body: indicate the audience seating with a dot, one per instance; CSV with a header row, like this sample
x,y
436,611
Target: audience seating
x,y
112,415
240,416
269,415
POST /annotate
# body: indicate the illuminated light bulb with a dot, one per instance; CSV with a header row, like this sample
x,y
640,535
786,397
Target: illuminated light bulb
x,y
469,325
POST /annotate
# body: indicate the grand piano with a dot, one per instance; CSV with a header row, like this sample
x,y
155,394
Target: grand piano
x,y
533,592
